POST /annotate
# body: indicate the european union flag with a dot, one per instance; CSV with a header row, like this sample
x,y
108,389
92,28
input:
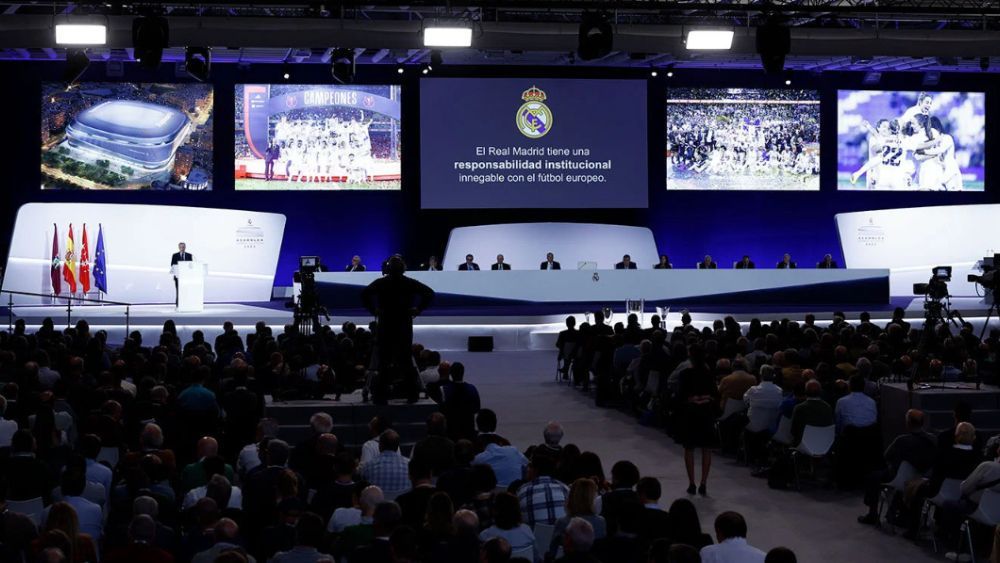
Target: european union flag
x,y
100,262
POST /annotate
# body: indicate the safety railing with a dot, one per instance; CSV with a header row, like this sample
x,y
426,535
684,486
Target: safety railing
x,y
70,300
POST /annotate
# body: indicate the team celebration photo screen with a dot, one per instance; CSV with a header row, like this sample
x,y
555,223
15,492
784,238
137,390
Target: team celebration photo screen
x,y
742,139
317,137
911,141
126,136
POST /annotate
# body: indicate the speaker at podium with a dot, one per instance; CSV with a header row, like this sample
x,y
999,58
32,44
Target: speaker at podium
x,y
190,285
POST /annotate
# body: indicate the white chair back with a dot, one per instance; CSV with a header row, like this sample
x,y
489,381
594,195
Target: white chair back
x,y
733,406
527,552
762,419
988,511
109,455
543,537
951,489
905,472
653,382
817,440
784,433
32,508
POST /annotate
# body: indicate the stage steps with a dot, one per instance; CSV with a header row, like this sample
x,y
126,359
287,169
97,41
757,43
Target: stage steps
x,y
350,418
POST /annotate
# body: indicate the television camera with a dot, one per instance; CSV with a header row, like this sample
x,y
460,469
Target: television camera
x,y
306,305
990,282
937,302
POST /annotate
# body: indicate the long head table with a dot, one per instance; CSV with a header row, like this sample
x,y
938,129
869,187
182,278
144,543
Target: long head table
x,y
568,291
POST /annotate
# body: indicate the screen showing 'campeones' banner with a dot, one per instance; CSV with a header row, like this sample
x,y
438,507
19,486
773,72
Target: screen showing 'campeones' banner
x,y
533,143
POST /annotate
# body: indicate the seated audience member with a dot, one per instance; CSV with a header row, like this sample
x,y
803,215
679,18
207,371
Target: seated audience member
x,y
389,470
507,524
916,447
305,455
707,263
626,544
376,426
248,458
436,450
460,403
549,263
141,547
577,542
731,532
89,514
413,503
957,462
17,531
432,265
338,492
218,487
500,264
551,444
579,504
7,427
355,265
308,538
431,361
856,408
781,554
486,424
827,262
361,511
624,477
735,385
90,448
194,475
62,517
786,262
763,401
542,497
655,520
962,412
626,263
468,265
685,526
507,462
385,522
495,550
745,263
27,476
814,411
664,263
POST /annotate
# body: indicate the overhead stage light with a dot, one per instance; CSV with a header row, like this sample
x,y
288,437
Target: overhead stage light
x,y
81,34
448,34
596,36
709,39
150,35
198,62
77,63
342,65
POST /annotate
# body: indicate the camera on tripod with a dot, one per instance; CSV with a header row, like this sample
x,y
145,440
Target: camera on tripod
x,y
989,279
936,288
306,305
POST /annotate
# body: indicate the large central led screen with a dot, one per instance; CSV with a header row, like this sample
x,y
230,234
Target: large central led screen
x,y
317,137
742,139
909,141
533,143
123,135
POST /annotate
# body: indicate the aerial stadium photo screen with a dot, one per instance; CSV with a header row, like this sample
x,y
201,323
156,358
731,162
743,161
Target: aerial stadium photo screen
x,y
317,137
742,139
911,141
127,136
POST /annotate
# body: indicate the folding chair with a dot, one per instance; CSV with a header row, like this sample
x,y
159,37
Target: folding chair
x,y
32,508
888,490
951,490
815,444
987,514
543,538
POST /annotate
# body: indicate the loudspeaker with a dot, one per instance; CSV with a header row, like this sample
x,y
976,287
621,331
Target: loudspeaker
x,y
480,343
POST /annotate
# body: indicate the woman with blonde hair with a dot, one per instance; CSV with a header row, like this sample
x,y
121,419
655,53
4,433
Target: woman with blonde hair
x,y
62,517
579,504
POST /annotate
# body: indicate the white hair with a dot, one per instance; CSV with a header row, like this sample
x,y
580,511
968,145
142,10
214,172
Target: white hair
x,y
553,433
321,422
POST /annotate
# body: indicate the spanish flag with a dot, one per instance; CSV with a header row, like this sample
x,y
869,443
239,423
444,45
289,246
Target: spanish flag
x,y
69,265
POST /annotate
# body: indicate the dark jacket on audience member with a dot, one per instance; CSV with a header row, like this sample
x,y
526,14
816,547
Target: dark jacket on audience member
x,y
917,448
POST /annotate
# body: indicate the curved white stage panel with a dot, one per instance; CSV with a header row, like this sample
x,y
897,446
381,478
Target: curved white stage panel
x,y
239,247
912,241
524,245
567,291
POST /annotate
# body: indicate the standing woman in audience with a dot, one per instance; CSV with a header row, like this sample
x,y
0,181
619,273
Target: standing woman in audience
x,y
699,401
62,517
685,526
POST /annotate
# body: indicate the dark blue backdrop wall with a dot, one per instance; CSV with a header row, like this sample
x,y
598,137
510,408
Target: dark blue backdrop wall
x,y
687,225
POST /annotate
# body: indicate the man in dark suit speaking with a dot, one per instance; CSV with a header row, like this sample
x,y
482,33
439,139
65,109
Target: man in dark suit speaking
x,y
626,264
468,265
182,255
500,264
786,263
355,265
745,264
550,263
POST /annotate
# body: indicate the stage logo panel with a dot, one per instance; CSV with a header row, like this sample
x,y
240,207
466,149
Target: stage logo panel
x,y
912,241
317,137
123,252
533,143
127,136
742,139
911,141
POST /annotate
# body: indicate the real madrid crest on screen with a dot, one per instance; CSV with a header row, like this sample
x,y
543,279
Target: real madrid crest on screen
x,y
534,118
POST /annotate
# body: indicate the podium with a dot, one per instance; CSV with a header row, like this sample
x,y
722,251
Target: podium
x,y
190,285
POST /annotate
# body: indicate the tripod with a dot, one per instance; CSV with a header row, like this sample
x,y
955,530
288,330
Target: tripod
x,y
993,310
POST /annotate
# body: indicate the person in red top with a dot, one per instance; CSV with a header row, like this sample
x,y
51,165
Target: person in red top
x,y
141,536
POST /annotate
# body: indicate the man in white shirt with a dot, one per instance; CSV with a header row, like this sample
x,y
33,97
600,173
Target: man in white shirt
x,y
369,450
856,409
763,401
249,457
7,427
90,447
731,532
89,514
360,514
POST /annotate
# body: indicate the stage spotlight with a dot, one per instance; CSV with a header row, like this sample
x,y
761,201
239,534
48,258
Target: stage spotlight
x,y
653,73
399,70
77,63
81,34
774,42
286,70
670,74
596,36
150,35
426,70
448,34
198,63
709,40
342,65
788,82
